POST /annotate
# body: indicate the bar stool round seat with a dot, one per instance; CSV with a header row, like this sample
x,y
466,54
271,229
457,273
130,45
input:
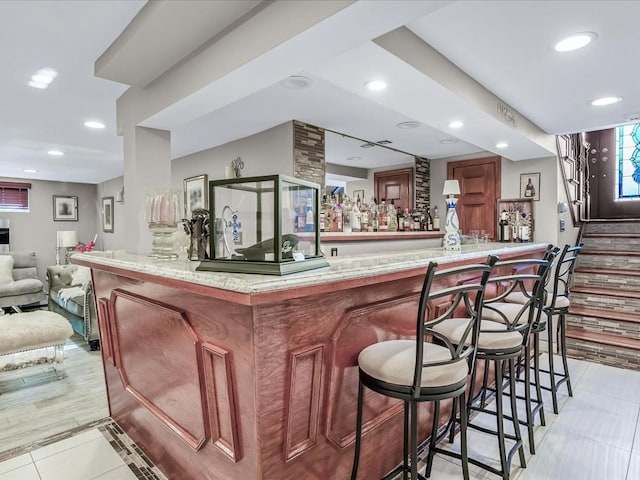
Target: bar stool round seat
x,y
393,362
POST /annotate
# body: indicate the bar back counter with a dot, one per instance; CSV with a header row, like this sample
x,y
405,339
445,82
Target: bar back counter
x,y
227,376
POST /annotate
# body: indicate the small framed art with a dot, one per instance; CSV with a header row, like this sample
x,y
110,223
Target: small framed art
x,y
65,208
196,194
107,214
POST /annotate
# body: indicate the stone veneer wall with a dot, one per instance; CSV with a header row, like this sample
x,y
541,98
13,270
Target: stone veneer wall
x,y
422,183
308,153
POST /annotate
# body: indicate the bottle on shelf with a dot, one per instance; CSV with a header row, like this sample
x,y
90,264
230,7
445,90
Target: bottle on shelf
x,y
346,214
364,218
504,226
336,217
355,217
524,228
429,219
392,217
436,219
417,221
408,221
383,226
310,221
373,215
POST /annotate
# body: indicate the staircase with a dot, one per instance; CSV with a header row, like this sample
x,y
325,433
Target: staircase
x,y
603,324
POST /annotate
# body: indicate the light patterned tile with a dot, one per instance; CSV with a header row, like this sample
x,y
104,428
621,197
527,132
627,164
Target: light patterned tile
x,y
564,455
15,462
120,473
28,472
66,444
88,459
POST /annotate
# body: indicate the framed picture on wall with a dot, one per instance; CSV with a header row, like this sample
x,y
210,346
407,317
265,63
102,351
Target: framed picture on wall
x,y
196,194
65,208
107,214
530,185
358,194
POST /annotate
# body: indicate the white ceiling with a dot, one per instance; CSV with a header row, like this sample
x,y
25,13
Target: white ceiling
x,y
506,46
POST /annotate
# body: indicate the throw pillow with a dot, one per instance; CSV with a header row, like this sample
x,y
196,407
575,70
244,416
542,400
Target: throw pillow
x,y
6,269
81,276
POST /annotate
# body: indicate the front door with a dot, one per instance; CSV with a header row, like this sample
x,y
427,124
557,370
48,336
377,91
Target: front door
x,y
479,191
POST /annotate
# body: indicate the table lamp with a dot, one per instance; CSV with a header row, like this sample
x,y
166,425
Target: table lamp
x,y
451,224
66,239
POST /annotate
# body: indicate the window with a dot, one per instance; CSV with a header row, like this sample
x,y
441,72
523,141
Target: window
x,y
14,197
628,164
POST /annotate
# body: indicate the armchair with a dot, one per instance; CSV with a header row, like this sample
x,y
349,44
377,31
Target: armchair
x,y
71,295
19,283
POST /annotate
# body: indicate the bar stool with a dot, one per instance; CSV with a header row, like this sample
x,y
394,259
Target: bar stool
x,y
557,304
420,371
501,341
497,309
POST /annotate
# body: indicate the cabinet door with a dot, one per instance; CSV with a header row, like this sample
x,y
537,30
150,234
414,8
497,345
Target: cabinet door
x,y
396,185
479,189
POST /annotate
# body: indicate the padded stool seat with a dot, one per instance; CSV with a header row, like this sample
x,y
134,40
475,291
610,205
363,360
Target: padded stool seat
x,y
493,335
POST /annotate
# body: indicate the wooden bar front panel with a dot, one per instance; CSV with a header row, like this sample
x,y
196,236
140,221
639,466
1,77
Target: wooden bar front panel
x,y
212,389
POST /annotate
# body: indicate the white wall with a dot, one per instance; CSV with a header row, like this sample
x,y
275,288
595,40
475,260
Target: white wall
x,y
264,153
36,230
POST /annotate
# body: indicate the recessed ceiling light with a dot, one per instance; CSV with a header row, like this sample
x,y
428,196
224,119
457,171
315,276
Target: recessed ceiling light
x,y
30,170
42,78
502,145
94,124
448,141
55,153
354,158
296,82
456,124
408,125
575,41
39,85
600,102
375,85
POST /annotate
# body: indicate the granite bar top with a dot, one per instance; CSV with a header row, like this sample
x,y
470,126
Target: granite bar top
x,y
339,269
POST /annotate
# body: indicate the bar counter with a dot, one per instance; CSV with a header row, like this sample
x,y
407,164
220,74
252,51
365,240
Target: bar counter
x,y
227,376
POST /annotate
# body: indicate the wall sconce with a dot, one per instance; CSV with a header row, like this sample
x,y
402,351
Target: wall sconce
x,y
451,224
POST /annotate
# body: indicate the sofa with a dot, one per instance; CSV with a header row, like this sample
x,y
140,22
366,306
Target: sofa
x,y
19,282
71,295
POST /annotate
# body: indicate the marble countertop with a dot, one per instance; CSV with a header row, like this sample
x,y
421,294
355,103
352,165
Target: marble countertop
x,y
339,269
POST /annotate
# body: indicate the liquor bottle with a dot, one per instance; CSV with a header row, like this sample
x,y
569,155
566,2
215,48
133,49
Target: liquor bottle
x,y
400,219
373,215
504,226
524,228
383,226
392,217
336,222
436,219
323,214
416,221
310,221
408,221
515,234
346,214
429,221
364,218
355,217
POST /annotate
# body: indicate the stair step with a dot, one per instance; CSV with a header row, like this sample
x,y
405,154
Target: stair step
x,y
607,292
598,251
607,271
607,314
611,262
626,227
603,348
603,338
611,235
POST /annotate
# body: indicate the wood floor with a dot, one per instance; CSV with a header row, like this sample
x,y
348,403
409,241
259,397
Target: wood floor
x,y
34,404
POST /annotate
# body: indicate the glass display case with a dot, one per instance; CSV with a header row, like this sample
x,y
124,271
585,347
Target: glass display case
x,y
267,225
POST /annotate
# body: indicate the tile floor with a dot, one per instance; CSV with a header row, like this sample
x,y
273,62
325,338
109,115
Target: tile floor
x,y
593,438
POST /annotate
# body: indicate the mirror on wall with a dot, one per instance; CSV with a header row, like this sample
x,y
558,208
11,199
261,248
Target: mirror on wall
x,y
351,163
